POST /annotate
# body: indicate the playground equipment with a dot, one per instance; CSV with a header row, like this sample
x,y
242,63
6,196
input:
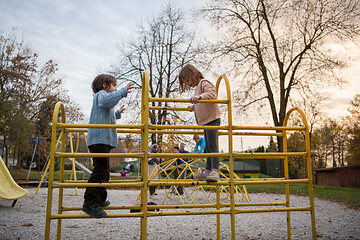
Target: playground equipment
x,y
187,169
75,164
9,189
230,208
37,143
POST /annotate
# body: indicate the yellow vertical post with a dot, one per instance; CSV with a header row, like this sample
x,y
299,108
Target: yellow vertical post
x,y
61,180
218,233
73,170
46,168
144,149
231,159
287,188
309,172
58,106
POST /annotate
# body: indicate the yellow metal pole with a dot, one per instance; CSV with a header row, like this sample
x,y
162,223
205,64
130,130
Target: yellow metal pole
x,y
218,206
61,180
144,150
46,168
231,158
311,187
58,107
73,170
287,188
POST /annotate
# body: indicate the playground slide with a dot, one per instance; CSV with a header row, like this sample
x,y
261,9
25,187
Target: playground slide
x,y
86,170
9,189
80,166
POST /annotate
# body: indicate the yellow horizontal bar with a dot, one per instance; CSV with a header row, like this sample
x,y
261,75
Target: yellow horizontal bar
x,y
182,155
187,155
255,204
109,215
261,210
85,130
254,134
224,155
183,206
90,155
237,211
268,128
141,126
110,181
106,208
220,133
180,213
174,182
152,126
259,182
84,127
68,125
227,211
176,132
192,182
74,185
169,108
268,155
186,100
214,205
139,214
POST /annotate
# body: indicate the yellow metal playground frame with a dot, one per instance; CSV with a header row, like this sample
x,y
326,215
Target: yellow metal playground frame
x,y
144,129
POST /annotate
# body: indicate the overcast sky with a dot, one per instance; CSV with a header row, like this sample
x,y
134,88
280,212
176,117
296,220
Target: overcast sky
x,y
81,36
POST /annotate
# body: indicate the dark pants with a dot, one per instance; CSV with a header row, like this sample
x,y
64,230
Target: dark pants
x,y
211,145
100,174
176,176
152,190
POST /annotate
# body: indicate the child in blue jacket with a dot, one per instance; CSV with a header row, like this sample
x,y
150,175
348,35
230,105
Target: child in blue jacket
x,y
102,140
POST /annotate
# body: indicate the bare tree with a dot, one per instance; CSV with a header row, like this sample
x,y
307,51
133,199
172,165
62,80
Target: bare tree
x,y
162,46
278,47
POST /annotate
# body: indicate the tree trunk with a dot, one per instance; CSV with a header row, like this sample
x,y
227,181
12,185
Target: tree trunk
x,y
281,149
6,152
333,155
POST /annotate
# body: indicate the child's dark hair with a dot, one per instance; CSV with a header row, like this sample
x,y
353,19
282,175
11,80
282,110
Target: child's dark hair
x,y
98,83
187,72
177,148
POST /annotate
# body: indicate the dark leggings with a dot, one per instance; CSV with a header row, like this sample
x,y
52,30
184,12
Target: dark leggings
x,y
100,174
211,145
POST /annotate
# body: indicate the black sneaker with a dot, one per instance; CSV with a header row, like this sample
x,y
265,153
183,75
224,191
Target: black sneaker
x,y
94,211
104,204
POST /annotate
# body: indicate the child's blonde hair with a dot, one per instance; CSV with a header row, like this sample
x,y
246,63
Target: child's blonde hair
x,y
100,80
188,72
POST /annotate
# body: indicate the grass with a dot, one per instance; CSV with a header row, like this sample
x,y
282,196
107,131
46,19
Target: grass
x,y
349,196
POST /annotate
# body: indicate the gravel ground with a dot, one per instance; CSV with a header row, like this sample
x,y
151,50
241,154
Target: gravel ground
x,y
27,220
